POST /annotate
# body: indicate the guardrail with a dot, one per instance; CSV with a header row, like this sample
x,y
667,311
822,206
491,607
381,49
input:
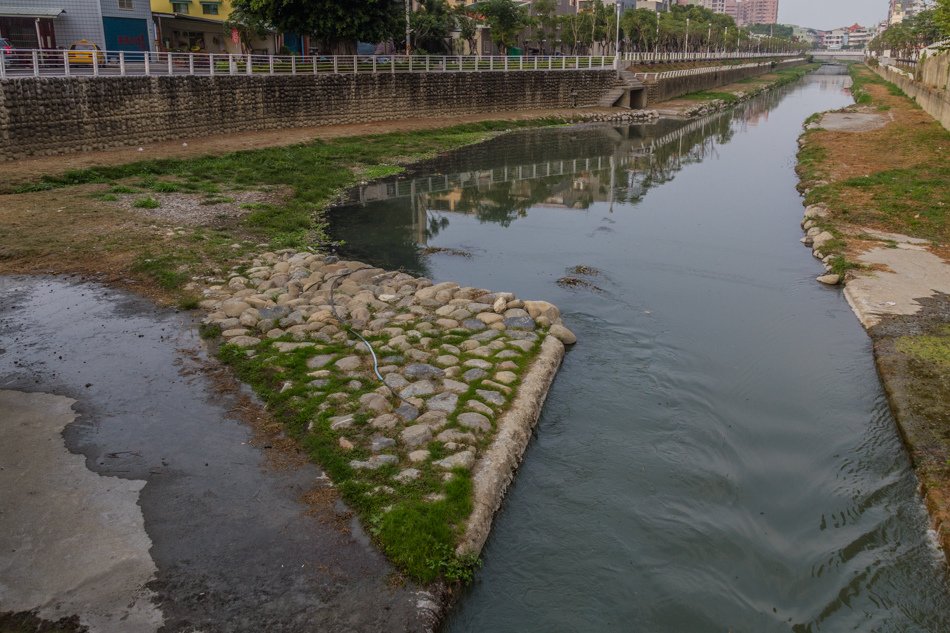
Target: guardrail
x,y
686,72
56,63
695,57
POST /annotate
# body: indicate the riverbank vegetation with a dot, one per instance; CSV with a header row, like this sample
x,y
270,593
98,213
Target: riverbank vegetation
x,y
158,224
894,177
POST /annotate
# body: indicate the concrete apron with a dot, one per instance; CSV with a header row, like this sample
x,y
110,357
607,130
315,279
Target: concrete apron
x,y
151,509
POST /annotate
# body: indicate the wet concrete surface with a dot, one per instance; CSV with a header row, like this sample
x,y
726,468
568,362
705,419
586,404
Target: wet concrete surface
x,y
235,545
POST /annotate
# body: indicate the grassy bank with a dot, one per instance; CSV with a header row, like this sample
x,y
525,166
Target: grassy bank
x,y
140,222
747,88
894,178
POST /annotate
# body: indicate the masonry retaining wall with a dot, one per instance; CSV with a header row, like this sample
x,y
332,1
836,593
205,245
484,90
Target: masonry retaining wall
x,y
666,89
44,116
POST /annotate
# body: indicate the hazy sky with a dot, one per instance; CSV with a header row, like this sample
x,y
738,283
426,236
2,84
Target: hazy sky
x,y
829,14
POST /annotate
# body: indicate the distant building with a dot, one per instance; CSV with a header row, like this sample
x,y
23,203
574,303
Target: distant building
x,y
115,25
899,10
757,12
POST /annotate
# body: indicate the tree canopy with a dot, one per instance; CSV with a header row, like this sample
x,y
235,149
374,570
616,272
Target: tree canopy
x,y
337,24
506,20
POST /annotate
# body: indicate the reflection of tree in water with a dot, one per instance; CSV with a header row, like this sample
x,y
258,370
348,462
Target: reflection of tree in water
x,y
498,182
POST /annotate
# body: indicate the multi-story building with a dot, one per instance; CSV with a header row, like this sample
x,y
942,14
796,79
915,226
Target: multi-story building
x,y
899,10
200,26
757,12
859,36
115,25
727,7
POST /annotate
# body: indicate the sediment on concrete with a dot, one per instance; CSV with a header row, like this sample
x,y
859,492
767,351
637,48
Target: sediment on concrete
x,y
44,116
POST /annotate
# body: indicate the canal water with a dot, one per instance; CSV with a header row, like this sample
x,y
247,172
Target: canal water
x,y
717,452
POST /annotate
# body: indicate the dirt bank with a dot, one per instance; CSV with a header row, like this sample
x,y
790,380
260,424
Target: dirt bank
x,y
876,181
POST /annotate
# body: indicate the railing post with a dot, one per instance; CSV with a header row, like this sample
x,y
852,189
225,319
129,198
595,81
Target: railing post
x,y
392,64
66,63
336,65
491,62
3,65
36,64
270,64
536,62
170,69
506,63
355,64
211,65
122,63
293,64
148,63
427,63
374,64
313,58
191,63
95,63
250,64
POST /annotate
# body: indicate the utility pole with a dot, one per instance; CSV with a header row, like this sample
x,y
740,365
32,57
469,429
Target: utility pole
x,y
408,29
709,40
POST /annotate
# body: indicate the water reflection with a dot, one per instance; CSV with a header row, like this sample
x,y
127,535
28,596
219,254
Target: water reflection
x,y
717,453
499,181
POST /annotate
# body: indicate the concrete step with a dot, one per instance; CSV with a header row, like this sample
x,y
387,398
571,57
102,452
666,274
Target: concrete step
x,y
610,99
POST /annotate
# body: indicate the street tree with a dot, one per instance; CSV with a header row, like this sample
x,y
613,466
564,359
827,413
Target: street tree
x,y
337,24
506,19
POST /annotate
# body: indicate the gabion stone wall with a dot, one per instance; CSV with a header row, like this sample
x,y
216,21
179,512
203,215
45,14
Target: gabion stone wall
x,y
44,116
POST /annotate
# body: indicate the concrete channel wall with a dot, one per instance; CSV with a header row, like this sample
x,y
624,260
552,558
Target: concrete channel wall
x,y
666,89
45,116
932,91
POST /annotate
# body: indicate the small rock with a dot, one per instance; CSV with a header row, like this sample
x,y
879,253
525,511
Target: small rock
x,y
465,459
477,363
480,407
562,334
385,421
407,475
474,374
416,389
375,402
500,304
244,341
454,435
491,397
341,422
345,444
381,443
475,421
419,456
520,323
831,280
474,324
234,307
407,412
454,386
374,462
289,347
443,402
506,377
420,370
350,363
416,435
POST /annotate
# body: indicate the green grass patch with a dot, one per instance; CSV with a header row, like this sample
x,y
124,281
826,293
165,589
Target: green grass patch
x,y
146,203
711,95
933,349
166,270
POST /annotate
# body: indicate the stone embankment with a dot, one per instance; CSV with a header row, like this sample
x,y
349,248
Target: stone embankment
x,y
405,381
818,239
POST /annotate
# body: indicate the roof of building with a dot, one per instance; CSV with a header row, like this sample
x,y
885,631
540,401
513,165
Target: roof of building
x,y
30,12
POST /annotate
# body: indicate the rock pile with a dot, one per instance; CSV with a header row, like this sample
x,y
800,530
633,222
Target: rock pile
x,y
450,358
817,239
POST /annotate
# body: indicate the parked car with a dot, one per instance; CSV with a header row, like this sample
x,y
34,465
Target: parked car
x,y
81,52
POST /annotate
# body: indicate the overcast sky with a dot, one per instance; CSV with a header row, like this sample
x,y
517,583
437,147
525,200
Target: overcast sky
x,y
829,14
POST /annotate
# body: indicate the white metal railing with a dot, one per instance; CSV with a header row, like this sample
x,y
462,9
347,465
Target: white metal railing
x,y
58,63
702,70
661,56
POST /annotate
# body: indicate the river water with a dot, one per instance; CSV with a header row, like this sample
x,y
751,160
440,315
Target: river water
x,y
717,452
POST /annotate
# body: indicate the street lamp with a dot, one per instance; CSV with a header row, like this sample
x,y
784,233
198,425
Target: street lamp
x,y
686,43
657,52
709,39
617,43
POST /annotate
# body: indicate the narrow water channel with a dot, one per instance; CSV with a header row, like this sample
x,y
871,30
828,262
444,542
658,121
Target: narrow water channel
x,y
717,453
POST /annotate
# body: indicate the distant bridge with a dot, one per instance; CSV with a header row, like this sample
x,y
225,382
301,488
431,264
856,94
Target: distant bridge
x,y
836,56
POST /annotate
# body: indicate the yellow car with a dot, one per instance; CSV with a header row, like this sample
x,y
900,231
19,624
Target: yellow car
x,y
81,52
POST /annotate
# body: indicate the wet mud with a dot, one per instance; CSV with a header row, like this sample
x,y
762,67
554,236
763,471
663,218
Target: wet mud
x,y
240,542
